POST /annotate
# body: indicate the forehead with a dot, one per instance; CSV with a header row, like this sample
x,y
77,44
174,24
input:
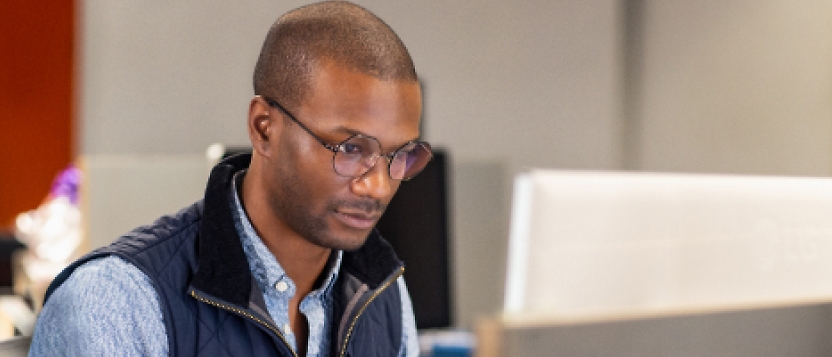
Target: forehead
x,y
343,102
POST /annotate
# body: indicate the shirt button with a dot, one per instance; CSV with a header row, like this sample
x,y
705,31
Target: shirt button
x,y
281,286
287,329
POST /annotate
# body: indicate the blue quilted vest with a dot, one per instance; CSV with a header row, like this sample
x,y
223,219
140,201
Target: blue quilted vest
x,y
210,303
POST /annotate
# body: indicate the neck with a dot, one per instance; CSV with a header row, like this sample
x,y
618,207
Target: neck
x,y
302,261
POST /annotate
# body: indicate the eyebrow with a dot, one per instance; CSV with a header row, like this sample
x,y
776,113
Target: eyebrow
x,y
352,132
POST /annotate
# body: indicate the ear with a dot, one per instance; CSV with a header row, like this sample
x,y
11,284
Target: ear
x,y
263,127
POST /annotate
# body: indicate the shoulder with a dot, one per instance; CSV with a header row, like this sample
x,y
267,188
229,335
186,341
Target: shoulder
x,y
102,282
149,249
106,305
168,246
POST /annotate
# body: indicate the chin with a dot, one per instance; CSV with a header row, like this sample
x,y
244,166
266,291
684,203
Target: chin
x,y
351,244
347,241
343,237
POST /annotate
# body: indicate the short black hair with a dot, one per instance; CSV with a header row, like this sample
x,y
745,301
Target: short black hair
x,y
337,32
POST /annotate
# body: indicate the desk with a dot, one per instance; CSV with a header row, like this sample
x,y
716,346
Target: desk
x,y
793,331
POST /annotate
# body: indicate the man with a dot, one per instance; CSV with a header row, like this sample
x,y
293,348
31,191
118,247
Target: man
x,y
280,258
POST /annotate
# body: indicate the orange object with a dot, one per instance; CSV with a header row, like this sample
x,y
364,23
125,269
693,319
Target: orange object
x,y
36,100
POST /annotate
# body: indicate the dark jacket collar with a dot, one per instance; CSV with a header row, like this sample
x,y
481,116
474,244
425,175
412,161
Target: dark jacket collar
x,y
223,268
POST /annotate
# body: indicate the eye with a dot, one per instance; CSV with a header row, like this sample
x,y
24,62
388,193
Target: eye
x,y
352,148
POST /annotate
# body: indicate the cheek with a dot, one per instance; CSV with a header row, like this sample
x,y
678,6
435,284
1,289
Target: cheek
x,y
311,176
308,156
297,158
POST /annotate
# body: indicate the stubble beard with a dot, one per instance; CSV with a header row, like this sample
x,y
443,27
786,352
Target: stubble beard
x,y
293,207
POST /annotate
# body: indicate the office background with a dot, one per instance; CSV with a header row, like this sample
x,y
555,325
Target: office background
x,y
739,86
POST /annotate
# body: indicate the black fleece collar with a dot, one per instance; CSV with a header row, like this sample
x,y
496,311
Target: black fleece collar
x,y
223,268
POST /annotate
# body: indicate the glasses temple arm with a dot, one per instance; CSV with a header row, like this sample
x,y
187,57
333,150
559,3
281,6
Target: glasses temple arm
x,y
277,105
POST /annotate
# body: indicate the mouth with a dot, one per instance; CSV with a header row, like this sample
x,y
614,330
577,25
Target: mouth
x,y
358,220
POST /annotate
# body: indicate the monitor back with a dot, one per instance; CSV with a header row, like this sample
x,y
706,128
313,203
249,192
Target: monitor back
x,y
613,243
642,264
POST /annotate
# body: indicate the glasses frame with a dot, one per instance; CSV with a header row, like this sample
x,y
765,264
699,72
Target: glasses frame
x,y
336,148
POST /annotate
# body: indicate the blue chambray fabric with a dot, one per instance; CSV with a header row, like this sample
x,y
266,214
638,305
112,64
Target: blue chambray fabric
x,y
108,307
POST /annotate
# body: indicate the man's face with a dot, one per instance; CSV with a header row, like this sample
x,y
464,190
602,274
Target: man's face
x,y
329,210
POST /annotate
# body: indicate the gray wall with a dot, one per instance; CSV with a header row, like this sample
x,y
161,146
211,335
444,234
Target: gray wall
x,y
709,86
740,86
527,82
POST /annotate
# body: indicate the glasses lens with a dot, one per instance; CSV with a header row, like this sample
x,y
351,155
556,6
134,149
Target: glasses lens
x,y
410,160
356,156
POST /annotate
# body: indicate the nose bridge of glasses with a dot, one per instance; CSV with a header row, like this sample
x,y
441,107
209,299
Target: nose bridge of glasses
x,y
370,162
389,161
370,148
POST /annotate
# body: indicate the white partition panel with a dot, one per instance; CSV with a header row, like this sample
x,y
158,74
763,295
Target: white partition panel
x,y
587,245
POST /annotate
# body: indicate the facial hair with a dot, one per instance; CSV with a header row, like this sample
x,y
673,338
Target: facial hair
x,y
291,202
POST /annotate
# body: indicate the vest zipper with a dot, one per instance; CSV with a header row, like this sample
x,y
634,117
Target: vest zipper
x,y
378,292
247,315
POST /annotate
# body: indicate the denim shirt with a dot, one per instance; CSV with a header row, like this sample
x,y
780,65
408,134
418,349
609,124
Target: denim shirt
x,y
108,307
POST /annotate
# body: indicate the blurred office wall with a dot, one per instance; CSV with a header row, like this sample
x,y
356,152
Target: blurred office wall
x,y
741,86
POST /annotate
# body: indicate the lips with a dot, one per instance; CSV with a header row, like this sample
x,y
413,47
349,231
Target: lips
x,y
357,219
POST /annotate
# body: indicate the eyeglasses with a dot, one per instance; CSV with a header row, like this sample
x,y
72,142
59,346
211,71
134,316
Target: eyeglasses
x,y
358,154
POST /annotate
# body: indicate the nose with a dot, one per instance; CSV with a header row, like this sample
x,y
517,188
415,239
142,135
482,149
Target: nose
x,y
375,183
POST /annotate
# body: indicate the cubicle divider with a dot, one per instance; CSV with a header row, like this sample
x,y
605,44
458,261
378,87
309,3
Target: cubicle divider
x,y
645,264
